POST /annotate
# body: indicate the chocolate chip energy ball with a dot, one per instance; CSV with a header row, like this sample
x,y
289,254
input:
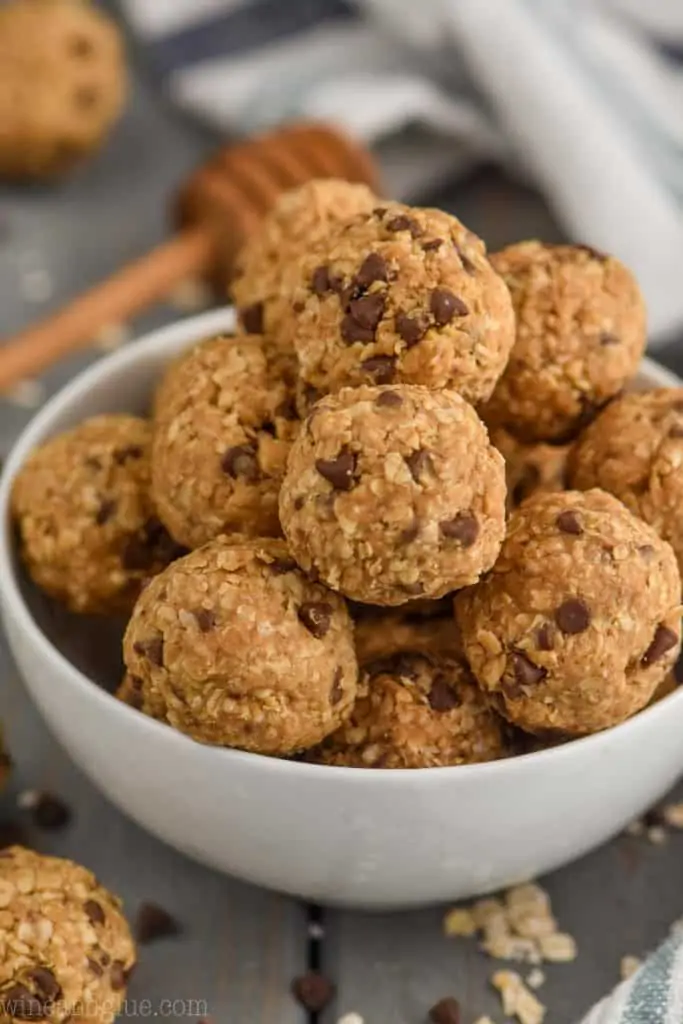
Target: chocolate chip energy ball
x,y
236,647
62,84
88,528
530,468
634,450
223,423
416,710
65,948
401,295
580,619
580,336
394,493
300,221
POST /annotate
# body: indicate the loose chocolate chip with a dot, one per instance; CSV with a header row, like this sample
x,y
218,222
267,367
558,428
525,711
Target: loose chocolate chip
x,y
569,522
252,318
96,968
544,637
411,329
607,339
205,619
117,976
351,331
20,1004
388,400
152,649
50,813
382,369
404,223
338,472
368,310
525,671
337,691
132,451
47,985
280,566
373,268
320,281
593,253
432,245
313,991
241,461
467,264
446,1011
106,510
445,306
464,528
410,533
442,696
573,616
664,640
153,922
419,463
94,911
316,617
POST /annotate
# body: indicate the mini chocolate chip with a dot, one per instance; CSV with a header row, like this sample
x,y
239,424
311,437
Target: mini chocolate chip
x,y
368,310
132,451
410,533
414,589
544,637
569,522
316,617
105,959
404,223
607,339
241,461
382,369
94,912
411,329
373,268
96,968
446,1011
432,244
152,649
389,400
50,812
646,551
46,983
117,976
467,264
205,619
298,306
442,696
351,331
153,922
379,211
664,640
464,528
313,991
299,502
525,671
337,691
419,463
338,472
280,566
445,306
320,281
106,510
20,1004
252,318
573,616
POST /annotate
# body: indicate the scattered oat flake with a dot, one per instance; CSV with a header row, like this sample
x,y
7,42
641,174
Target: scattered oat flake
x,y
111,336
191,295
673,815
459,921
535,978
635,828
28,393
516,998
628,966
36,285
657,835
559,948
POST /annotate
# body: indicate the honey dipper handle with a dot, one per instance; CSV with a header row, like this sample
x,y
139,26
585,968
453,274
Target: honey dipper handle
x,y
131,289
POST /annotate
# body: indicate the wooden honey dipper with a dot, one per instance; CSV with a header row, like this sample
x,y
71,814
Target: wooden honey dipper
x,y
218,208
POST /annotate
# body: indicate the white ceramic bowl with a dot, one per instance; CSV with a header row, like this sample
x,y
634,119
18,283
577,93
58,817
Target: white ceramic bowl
x,y
364,838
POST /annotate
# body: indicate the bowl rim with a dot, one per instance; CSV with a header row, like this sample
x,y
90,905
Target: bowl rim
x,y
156,342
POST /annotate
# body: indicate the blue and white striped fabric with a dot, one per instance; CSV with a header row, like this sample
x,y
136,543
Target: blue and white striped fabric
x,y
582,97
653,995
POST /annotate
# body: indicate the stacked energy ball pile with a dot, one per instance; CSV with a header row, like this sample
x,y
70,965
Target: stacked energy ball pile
x,y
311,500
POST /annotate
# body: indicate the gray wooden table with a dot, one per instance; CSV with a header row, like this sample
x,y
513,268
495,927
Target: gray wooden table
x,y
241,946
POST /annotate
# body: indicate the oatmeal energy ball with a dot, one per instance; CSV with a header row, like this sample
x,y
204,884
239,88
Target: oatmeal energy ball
x,y
236,647
634,450
300,220
394,493
65,949
416,710
223,422
62,84
580,336
401,295
88,528
580,619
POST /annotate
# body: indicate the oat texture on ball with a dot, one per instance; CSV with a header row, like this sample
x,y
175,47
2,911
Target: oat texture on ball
x,y
66,951
88,529
224,419
634,450
580,335
530,468
62,84
300,221
234,646
401,295
393,493
579,621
